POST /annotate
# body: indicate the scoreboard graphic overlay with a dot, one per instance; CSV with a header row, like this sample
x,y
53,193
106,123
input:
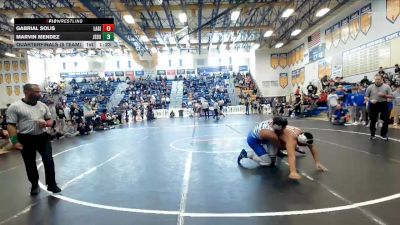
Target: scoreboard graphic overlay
x,y
64,33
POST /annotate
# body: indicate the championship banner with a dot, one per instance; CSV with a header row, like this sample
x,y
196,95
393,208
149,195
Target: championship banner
x,y
293,77
297,55
22,64
336,34
297,77
302,76
321,69
283,60
171,72
328,69
328,38
274,60
354,24
283,79
392,10
366,18
17,90
345,30
1,78
119,73
7,65
16,78
302,52
139,73
9,90
15,65
8,78
161,72
131,74
24,77
289,58
190,71
109,74
180,72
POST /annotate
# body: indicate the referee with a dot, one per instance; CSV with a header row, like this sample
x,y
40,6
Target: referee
x,y
378,95
26,123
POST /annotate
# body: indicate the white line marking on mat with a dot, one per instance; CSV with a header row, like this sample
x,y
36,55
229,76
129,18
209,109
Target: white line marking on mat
x,y
68,183
334,193
235,215
346,131
173,143
25,210
185,188
9,169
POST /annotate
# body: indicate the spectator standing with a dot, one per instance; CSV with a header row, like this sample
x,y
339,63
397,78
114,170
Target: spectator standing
x,y
332,103
378,95
396,105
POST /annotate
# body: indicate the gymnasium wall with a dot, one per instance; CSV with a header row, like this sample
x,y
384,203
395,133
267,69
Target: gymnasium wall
x,y
207,59
14,74
380,27
49,69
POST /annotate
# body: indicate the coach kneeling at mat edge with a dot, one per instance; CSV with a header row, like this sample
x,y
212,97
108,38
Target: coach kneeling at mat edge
x,y
30,117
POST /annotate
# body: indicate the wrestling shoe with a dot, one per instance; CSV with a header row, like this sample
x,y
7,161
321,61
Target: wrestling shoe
x,y
243,154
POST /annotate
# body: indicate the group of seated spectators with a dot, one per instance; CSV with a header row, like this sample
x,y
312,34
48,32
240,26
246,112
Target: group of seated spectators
x,y
151,92
206,93
344,101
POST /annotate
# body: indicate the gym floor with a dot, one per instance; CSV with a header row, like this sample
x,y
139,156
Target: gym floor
x,y
184,171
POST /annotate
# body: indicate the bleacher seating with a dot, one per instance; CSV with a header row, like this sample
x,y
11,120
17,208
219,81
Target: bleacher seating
x,y
208,87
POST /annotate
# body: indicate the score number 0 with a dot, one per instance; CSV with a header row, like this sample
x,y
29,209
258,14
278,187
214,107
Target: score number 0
x,y
108,32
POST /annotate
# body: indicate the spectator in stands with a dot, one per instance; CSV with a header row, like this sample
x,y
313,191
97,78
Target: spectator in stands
x,y
134,113
339,116
333,99
69,129
150,113
341,94
365,81
324,82
247,105
351,104
4,137
297,92
381,71
60,117
323,99
216,109
88,113
4,119
297,106
311,89
361,104
172,114
205,106
396,105
81,127
396,69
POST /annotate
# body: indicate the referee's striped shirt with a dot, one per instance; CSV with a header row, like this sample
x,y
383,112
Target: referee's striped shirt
x,y
26,116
